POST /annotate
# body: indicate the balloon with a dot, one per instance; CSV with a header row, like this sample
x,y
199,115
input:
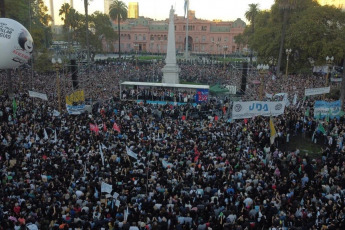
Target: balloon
x,y
16,44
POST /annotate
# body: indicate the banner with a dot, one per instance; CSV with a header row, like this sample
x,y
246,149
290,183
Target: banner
x,y
336,79
42,96
76,97
201,95
324,108
75,109
249,109
232,88
317,91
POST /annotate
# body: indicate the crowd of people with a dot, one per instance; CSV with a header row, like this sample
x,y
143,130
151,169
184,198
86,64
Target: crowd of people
x,y
130,165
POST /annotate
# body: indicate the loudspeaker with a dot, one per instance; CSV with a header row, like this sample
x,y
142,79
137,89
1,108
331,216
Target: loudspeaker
x,y
74,71
244,77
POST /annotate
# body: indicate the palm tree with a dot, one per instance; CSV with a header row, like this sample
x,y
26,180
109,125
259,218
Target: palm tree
x,y
285,6
118,11
86,7
64,12
250,16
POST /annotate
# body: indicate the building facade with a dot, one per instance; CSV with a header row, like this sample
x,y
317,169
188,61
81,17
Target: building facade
x,y
133,10
204,37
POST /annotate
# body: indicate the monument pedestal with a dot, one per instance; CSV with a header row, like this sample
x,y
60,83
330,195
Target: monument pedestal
x,y
171,74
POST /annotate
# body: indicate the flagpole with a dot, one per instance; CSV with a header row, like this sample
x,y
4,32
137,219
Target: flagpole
x,y
187,14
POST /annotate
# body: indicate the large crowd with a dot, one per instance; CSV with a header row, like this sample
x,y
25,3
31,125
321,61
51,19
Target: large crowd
x,y
145,166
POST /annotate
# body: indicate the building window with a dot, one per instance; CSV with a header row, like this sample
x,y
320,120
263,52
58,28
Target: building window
x,y
226,39
128,46
152,38
219,39
212,39
203,28
179,38
144,37
136,37
197,39
203,48
140,37
203,38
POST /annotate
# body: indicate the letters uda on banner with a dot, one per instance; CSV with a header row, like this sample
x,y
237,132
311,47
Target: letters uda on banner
x,y
324,108
249,109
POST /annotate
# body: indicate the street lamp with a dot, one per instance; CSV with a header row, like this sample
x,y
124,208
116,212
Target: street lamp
x,y
136,55
288,52
311,61
225,48
57,65
329,61
263,69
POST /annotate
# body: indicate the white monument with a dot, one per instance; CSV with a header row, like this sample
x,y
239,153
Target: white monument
x,y
171,70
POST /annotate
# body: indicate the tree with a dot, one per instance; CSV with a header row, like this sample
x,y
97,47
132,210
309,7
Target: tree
x,y
118,12
285,7
250,16
103,31
64,12
86,7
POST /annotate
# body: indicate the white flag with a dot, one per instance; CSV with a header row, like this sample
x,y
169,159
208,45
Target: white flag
x,y
45,135
56,113
37,138
106,187
131,153
102,156
294,102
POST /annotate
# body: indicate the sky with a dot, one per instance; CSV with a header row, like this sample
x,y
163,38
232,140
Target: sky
x,y
226,10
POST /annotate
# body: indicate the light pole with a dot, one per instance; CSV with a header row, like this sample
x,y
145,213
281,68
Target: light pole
x,y
57,65
263,69
136,55
311,61
329,61
288,52
225,48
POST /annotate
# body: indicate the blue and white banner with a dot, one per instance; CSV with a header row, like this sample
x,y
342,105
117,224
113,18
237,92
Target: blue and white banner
x,y
317,91
249,109
324,108
75,109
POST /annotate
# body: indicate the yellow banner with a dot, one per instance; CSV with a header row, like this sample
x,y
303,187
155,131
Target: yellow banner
x,y
76,97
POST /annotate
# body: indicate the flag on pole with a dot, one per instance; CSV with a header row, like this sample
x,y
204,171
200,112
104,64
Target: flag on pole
x,y
186,8
321,129
14,105
307,112
131,153
273,131
116,127
45,135
328,115
94,128
102,156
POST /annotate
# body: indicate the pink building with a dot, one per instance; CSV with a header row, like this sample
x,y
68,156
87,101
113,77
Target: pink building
x,y
205,37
